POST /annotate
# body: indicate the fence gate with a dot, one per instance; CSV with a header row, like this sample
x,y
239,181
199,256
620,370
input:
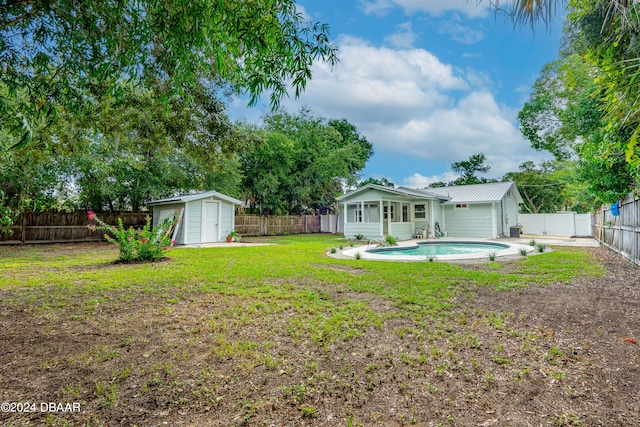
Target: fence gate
x,y
563,224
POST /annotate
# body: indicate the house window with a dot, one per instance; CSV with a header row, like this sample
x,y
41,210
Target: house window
x,y
386,214
462,206
354,213
405,213
358,215
420,211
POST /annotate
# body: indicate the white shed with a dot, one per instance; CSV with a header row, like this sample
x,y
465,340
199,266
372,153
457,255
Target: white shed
x,y
207,217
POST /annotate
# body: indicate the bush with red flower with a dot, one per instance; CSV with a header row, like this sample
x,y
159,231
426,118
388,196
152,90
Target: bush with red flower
x,y
138,245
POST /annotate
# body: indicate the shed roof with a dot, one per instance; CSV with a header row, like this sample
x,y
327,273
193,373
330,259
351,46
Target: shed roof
x,y
191,197
478,193
403,191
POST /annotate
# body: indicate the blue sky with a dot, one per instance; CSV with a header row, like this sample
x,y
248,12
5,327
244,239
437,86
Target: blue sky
x,y
427,82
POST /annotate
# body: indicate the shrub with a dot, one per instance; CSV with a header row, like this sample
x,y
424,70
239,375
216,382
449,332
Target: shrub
x,y
532,243
7,216
389,240
541,247
138,245
333,250
358,236
492,256
234,235
523,251
358,256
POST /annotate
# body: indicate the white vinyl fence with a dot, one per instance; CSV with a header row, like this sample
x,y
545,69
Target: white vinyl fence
x,y
328,223
562,224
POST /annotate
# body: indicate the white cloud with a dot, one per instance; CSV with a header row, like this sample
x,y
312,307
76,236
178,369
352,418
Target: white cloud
x,y
478,79
459,32
380,85
432,7
476,124
408,102
420,181
404,38
376,7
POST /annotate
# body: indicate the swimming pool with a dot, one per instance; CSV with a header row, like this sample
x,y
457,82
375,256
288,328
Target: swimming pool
x,y
441,248
448,249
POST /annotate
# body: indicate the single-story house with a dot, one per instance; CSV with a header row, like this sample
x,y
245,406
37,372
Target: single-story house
x,y
206,217
478,210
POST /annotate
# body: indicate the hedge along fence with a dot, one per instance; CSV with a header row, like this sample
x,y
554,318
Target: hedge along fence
x,y
620,233
256,225
65,227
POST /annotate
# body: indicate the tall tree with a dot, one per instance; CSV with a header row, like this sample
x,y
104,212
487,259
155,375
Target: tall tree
x,y
574,111
50,51
469,168
383,182
528,12
541,190
302,163
563,107
146,144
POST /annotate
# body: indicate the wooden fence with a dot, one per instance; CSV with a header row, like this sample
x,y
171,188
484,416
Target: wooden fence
x,y
255,225
64,227
620,233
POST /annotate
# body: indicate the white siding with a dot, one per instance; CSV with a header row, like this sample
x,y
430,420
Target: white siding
x,y
402,230
368,229
472,222
419,223
193,222
511,209
437,216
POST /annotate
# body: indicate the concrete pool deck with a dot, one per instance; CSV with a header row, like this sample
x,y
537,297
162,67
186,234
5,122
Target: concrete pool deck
x,y
515,246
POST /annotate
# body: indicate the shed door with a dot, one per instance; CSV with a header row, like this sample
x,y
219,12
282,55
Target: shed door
x,y
210,223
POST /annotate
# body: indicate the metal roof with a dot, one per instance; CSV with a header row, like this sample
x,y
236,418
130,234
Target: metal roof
x,y
473,193
478,193
190,197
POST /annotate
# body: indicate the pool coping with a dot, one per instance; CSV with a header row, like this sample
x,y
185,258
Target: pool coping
x,y
513,249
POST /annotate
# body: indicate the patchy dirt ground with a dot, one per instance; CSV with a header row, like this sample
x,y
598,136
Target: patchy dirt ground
x,y
561,355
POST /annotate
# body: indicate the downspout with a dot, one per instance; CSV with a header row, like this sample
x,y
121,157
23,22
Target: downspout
x,y
381,218
432,215
344,220
502,218
388,216
494,223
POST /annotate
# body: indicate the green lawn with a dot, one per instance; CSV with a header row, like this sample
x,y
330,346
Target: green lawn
x,y
181,331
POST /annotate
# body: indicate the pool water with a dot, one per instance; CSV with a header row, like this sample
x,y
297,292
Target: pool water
x,y
441,248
